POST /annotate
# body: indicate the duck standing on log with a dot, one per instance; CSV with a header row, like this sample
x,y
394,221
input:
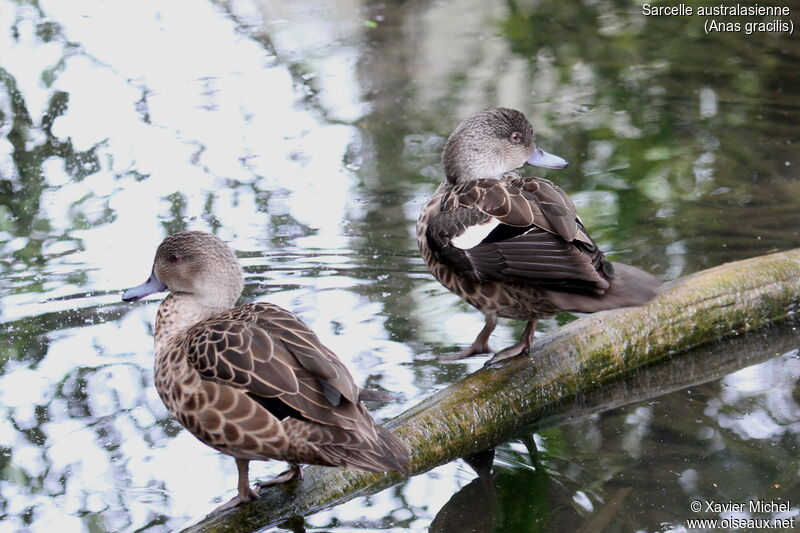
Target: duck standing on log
x,y
514,247
253,381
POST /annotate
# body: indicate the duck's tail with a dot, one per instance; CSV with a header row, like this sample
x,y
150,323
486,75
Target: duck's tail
x,y
395,452
382,454
372,395
630,286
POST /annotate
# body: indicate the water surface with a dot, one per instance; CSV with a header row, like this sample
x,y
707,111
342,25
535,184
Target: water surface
x,y
307,134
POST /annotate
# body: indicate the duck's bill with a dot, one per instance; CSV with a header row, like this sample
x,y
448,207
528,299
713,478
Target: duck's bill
x,y
540,158
151,286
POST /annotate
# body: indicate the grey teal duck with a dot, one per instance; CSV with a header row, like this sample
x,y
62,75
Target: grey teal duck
x,y
253,381
512,246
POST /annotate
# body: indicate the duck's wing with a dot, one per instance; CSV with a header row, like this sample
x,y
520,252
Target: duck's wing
x,y
523,230
270,355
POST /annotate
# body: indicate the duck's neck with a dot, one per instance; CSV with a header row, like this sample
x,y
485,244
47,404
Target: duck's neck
x,y
452,180
180,311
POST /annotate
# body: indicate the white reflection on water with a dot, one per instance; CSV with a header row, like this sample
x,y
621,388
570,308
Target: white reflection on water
x,y
762,396
172,91
176,93
219,108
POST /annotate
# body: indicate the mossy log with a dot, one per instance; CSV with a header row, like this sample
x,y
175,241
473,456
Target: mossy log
x,y
487,407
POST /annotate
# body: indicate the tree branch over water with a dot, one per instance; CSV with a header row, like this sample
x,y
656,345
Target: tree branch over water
x,y
487,407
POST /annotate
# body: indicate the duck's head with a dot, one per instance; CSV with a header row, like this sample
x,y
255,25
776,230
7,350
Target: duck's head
x,y
197,264
492,142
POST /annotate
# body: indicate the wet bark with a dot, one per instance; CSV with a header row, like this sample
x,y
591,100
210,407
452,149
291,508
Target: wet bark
x,y
487,407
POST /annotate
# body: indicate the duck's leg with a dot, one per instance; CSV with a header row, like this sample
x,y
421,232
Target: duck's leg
x,y
481,343
246,494
294,472
523,347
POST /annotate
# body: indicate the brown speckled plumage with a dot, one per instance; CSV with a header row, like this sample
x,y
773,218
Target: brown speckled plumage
x,y
514,247
254,381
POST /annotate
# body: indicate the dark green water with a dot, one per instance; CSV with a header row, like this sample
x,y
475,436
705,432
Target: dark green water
x,y
307,134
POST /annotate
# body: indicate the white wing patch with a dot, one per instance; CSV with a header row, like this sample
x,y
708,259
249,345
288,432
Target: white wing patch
x,y
473,235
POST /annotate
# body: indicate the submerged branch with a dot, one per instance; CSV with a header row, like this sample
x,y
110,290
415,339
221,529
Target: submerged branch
x,y
485,408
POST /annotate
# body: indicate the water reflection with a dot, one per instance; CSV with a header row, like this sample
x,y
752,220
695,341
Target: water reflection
x,y
471,508
308,134
593,467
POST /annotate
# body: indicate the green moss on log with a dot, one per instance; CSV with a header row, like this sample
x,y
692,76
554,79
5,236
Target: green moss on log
x,y
485,408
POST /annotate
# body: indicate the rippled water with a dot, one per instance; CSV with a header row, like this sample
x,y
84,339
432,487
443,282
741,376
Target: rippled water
x,y
307,134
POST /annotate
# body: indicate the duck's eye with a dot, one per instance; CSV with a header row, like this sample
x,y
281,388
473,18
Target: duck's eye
x,y
516,137
173,258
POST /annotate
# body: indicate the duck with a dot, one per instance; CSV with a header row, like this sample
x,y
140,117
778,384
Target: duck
x,y
253,381
513,246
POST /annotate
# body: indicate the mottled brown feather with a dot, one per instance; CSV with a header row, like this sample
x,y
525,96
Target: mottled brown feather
x,y
273,359
535,217
225,411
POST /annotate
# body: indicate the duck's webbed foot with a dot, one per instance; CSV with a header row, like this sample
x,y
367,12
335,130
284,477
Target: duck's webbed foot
x,y
481,343
294,472
246,494
472,351
236,500
523,347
